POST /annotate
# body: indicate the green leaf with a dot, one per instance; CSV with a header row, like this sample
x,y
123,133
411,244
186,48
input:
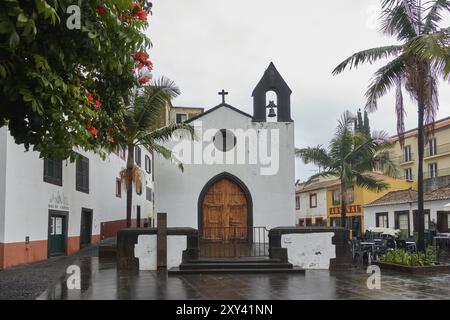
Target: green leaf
x,y
22,18
14,40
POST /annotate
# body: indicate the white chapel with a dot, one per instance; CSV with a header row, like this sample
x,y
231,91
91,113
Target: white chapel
x,y
239,172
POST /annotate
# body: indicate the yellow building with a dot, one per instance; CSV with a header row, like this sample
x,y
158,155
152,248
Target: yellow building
x,y
357,197
436,156
173,114
180,114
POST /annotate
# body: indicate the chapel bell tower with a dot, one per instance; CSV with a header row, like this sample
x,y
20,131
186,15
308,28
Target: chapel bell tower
x,y
272,81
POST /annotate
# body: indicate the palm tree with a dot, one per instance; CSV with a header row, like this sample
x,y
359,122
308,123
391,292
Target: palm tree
x,y
351,157
422,56
140,123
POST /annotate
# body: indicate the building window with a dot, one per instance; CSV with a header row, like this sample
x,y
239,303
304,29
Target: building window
x,y
82,174
118,188
432,147
407,155
120,151
382,220
432,169
335,222
297,202
53,171
408,174
402,223
336,197
301,222
319,222
350,195
137,155
313,200
139,189
148,164
426,216
148,193
308,222
180,117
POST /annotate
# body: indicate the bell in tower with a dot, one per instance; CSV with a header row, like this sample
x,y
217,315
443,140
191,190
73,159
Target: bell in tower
x,y
272,81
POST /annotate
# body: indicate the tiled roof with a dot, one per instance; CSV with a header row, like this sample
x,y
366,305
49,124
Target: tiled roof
x,y
395,197
439,124
317,185
409,195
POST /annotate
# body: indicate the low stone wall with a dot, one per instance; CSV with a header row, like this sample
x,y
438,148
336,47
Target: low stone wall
x,y
311,247
137,249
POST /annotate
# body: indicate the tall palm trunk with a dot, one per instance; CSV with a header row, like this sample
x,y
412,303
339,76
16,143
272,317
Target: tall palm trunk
x,y
343,204
421,145
129,183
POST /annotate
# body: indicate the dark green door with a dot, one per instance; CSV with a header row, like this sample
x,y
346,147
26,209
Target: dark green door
x,y
86,227
57,235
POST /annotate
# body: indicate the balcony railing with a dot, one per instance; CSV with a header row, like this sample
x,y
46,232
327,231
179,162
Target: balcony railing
x,y
440,149
408,178
403,158
439,173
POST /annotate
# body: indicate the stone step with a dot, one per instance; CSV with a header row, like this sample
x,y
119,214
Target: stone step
x,y
236,265
234,260
178,271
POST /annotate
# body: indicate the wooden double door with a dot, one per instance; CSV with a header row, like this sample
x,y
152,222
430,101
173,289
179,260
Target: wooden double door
x,y
225,212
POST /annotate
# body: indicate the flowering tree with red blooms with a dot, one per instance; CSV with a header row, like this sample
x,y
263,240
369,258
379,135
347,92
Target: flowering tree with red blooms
x,y
65,88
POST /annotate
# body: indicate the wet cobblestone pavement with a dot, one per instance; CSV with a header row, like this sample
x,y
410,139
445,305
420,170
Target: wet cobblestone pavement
x,y
27,282
103,281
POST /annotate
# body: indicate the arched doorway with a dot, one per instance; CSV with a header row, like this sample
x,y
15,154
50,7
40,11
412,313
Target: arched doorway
x,y
225,210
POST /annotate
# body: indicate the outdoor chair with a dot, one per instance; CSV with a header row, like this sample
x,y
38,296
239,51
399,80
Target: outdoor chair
x,y
362,255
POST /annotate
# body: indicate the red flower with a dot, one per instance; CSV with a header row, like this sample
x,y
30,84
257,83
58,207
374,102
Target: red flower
x,y
149,65
101,10
97,103
140,66
144,80
136,4
111,139
142,14
93,131
90,97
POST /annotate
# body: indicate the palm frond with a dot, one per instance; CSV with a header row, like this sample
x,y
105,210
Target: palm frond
x,y
434,15
166,154
435,48
385,78
367,56
400,18
369,182
316,155
134,176
184,130
323,174
400,110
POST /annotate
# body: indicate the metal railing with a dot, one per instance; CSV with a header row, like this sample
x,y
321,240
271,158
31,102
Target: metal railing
x,y
439,173
440,149
227,242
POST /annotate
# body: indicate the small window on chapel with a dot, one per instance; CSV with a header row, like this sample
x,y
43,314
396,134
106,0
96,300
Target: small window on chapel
x,y
224,140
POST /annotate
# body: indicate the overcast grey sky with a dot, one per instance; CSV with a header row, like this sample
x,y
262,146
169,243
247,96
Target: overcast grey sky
x,y
207,45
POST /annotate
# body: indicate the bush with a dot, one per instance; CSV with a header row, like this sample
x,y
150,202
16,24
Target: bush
x,y
416,259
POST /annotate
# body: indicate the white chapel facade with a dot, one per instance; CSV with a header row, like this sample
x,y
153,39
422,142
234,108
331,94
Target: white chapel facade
x,y
239,172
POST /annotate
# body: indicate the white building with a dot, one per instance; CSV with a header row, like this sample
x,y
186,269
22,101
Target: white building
x,y
311,203
239,174
398,209
53,207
